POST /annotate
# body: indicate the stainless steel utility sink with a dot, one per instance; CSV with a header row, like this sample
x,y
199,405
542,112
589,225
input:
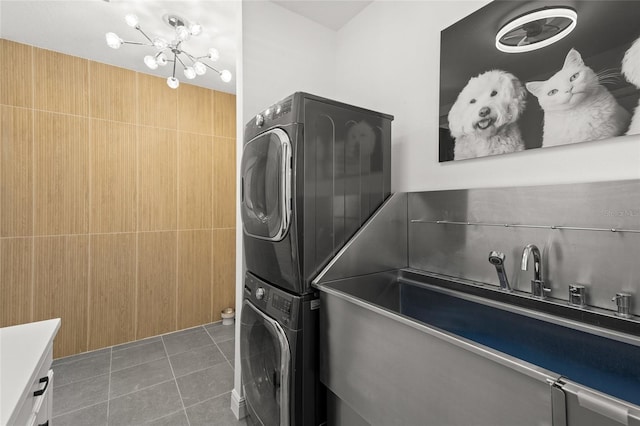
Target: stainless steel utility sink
x,y
567,345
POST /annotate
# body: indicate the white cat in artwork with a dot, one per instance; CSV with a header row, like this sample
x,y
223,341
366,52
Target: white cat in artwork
x,y
576,106
631,71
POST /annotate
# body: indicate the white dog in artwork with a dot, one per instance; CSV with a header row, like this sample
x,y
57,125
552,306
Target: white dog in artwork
x,y
483,119
631,71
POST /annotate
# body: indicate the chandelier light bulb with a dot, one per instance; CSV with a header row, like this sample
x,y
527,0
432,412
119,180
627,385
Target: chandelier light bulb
x,y
160,43
173,82
199,68
195,29
113,41
214,55
190,73
161,59
151,62
225,75
132,20
182,33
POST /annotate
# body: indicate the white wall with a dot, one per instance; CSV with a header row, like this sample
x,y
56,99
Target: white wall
x,y
388,60
284,53
280,53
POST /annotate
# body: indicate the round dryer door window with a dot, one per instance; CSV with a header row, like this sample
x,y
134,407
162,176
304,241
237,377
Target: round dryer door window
x,y
265,359
266,185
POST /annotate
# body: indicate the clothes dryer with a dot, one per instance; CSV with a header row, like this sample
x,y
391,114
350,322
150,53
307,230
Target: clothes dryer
x,y
313,170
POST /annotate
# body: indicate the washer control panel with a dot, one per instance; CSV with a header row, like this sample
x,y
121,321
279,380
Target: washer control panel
x,y
278,304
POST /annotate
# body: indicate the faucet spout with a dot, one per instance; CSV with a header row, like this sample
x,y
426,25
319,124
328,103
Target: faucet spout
x,y
538,288
497,260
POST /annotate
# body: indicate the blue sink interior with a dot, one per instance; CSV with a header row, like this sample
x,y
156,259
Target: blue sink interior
x,y
603,364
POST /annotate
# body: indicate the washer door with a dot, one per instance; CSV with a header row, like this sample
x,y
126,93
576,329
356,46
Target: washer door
x,y
266,363
266,185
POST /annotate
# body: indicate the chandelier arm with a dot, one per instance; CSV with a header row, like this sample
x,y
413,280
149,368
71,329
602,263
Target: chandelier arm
x,y
178,58
144,34
209,66
193,58
136,43
175,56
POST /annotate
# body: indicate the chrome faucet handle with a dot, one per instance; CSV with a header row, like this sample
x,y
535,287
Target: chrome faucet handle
x,y
623,301
577,295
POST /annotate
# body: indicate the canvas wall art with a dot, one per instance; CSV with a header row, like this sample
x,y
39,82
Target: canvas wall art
x,y
583,87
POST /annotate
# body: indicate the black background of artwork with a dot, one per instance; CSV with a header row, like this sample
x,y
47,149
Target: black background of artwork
x,y
604,32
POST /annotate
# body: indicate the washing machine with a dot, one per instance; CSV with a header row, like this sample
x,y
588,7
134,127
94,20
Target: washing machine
x,y
313,170
279,356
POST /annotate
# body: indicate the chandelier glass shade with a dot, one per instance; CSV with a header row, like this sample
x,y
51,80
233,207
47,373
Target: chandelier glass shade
x,y
168,51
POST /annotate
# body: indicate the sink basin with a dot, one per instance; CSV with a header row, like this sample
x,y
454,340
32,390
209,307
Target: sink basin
x,y
569,342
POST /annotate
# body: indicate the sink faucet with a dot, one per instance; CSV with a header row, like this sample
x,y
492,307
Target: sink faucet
x,y
538,288
497,259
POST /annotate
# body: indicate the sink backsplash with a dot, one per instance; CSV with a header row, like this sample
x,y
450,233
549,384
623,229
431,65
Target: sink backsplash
x,y
452,232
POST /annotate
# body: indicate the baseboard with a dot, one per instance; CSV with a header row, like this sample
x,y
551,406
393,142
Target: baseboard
x,y
238,405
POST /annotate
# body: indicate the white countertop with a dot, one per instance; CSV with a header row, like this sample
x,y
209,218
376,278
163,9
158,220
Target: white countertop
x,y
22,348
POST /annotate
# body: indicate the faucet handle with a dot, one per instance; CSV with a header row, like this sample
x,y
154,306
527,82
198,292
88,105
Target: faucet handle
x,y
539,289
623,301
577,295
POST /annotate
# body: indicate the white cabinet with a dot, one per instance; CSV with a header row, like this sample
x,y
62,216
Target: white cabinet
x,y
26,377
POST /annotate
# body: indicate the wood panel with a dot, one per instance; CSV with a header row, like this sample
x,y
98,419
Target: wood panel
x,y
16,281
224,183
157,179
16,68
224,271
16,172
158,103
113,176
113,93
112,290
60,289
195,109
61,82
194,278
156,293
61,174
224,114
195,180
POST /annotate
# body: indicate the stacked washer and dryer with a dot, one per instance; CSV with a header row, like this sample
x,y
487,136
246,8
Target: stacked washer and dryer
x,y
313,170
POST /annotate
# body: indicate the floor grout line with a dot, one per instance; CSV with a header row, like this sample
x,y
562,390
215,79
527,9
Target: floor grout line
x,y
176,382
109,387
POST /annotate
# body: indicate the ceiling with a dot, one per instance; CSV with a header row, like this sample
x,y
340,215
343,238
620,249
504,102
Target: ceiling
x,y
329,13
78,28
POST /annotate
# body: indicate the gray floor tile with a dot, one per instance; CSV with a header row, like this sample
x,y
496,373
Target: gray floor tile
x,y
80,394
213,412
137,343
183,341
139,354
196,359
96,415
202,385
220,333
77,357
175,419
143,406
139,377
81,368
228,348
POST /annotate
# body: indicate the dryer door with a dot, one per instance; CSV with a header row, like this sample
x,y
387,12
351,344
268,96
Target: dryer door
x,y
266,363
266,185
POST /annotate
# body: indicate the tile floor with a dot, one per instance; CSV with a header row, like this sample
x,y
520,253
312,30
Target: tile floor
x,y
182,378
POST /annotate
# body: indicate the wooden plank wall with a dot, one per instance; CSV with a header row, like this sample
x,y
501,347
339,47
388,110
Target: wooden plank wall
x,y
117,200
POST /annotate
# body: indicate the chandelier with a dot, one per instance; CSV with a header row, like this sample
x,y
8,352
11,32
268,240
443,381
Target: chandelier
x,y
172,51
